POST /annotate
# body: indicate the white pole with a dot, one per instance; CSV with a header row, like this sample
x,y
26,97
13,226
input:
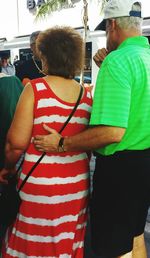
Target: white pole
x,y
18,28
85,22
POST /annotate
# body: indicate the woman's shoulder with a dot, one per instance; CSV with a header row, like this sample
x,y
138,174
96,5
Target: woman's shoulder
x,y
38,84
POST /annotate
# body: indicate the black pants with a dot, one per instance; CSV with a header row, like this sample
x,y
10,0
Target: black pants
x,y
120,201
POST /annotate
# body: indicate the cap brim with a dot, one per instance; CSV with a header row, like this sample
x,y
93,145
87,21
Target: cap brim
x,y
101,26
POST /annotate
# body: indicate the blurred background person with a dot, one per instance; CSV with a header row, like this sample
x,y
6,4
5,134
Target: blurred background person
x,y
53,211
6,66
10,90
31,68
15,59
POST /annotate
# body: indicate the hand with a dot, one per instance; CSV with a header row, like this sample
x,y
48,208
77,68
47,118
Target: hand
x,y
47,143
4,175
100,56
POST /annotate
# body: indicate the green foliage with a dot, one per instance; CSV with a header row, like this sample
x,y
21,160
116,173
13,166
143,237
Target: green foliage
x,y
49,7
55,5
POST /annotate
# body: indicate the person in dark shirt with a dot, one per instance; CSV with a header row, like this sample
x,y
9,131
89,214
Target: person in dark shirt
x,y
10,90
30,69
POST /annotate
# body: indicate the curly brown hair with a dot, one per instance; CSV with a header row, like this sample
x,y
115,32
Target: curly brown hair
x,y
62,51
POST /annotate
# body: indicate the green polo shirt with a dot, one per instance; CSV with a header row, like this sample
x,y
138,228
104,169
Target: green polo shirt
x,y
122,95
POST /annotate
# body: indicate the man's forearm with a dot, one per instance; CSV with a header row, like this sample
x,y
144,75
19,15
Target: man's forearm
x,y
94,138
90,139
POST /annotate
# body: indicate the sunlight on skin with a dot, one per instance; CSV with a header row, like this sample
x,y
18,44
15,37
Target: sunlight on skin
x,y
128,255
139,249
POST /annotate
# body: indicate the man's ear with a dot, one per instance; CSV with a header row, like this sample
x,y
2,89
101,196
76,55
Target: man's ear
x,y
113,24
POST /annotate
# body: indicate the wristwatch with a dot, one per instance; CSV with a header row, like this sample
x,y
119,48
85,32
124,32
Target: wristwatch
x,y
61,145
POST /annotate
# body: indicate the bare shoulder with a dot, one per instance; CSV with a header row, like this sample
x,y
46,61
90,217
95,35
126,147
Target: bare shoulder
x,y
27,93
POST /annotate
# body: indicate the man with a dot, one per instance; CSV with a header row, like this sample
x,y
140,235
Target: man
x,y
7,67
31,68
120,133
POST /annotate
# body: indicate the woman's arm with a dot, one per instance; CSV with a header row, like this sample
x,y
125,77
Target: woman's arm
x,y
19,134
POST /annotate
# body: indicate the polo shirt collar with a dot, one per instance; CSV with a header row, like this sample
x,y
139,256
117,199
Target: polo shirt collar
x,y
139,41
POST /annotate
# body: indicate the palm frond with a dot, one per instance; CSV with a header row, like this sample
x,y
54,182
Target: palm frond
x,y
49,7
54,5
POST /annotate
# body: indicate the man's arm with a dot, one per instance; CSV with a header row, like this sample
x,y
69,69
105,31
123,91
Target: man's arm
x,y
90,139
94,138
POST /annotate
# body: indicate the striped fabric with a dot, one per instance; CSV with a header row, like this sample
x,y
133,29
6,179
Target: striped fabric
x,y
52,218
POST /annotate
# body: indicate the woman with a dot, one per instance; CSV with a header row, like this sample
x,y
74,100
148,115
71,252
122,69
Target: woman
x,y
53,213
10,90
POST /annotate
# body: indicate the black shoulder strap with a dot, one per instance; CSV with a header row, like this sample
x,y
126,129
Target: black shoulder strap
x,y
73,110
44,153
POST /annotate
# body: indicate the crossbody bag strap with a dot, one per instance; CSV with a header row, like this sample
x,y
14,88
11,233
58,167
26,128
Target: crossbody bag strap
x,y
44,153
73,110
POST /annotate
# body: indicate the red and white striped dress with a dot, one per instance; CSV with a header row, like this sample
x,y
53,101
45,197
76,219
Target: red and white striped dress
x,y
53,214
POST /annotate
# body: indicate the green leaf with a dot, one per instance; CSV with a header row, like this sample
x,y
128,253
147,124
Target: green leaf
x,y
49,7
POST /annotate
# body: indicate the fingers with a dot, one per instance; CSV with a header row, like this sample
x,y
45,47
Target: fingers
x,y
102,53
96,60
42,137
3,181
3,175
49,142
39,148
38,138
48,129
100,56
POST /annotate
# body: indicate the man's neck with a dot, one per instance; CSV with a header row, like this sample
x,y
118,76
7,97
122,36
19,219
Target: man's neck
x,y
125,34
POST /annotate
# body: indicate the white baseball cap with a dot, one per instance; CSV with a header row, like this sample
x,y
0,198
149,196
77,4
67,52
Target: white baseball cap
x,y
118,8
